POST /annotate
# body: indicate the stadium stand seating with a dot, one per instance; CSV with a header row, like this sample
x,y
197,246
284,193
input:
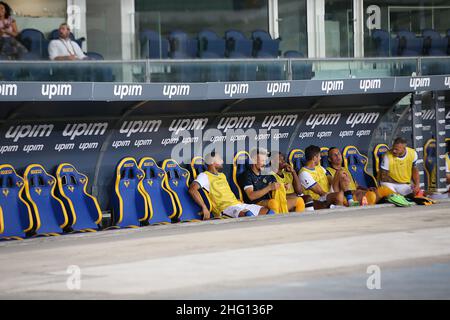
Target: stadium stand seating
x,y
409,44
297,159
85,213
241,163
36,43
129,201
161,202
434,44
15,213
239,47
181,46
177,182
153,45
384,44
324,157
430,164
378,153
300,70
49,214
99,73
210,45
356,163
264,46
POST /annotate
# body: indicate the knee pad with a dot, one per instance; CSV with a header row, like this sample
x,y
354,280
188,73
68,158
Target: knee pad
x,y
371,197
299,205
384,191
274,205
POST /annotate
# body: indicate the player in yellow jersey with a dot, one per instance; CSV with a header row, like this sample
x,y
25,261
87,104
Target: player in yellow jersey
x,y
223,199
316,181
447,166
343,180
287,176
398,169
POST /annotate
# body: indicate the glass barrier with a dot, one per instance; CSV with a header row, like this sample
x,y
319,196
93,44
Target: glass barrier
x,y
352,68
217,70
220,70
78,71
435,65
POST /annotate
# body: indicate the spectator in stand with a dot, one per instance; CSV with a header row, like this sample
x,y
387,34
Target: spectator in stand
x,y
64,48
10,48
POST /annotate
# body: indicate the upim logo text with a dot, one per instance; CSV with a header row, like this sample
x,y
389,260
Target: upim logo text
x,y
328,86
236,88
52,90
125,90
171,90
323,119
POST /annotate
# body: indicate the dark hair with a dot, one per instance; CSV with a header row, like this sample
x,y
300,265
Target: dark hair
x,y
399,140
279,153
311,152
7,9
332,148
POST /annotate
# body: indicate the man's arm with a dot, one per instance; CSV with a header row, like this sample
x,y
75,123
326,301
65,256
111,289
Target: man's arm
x,y
416,179
295,180
384,177
448,178
310,184
78,52
318,189
254,195
193,191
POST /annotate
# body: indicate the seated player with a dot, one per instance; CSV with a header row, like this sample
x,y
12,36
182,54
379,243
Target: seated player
x,y
317,182
287,176
258,182
223,199
447,166
342,180
398,169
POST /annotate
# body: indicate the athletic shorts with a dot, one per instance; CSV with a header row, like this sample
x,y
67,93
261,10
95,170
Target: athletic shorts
x,y
233,211
401,188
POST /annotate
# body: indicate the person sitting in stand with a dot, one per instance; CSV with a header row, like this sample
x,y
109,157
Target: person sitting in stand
x,y
398,169
447,166
342,180
286,175
10,48
63,48
223,199
316,181
259,184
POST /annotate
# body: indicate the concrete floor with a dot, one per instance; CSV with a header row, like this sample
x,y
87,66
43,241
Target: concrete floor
x,y
298,256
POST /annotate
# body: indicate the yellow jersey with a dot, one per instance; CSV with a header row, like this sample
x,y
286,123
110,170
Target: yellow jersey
x,y
309,177
352,185
447,163
219,192
286,179
400,168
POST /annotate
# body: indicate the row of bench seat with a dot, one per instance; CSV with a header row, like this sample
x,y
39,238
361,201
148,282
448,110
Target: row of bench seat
x,y
145,193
